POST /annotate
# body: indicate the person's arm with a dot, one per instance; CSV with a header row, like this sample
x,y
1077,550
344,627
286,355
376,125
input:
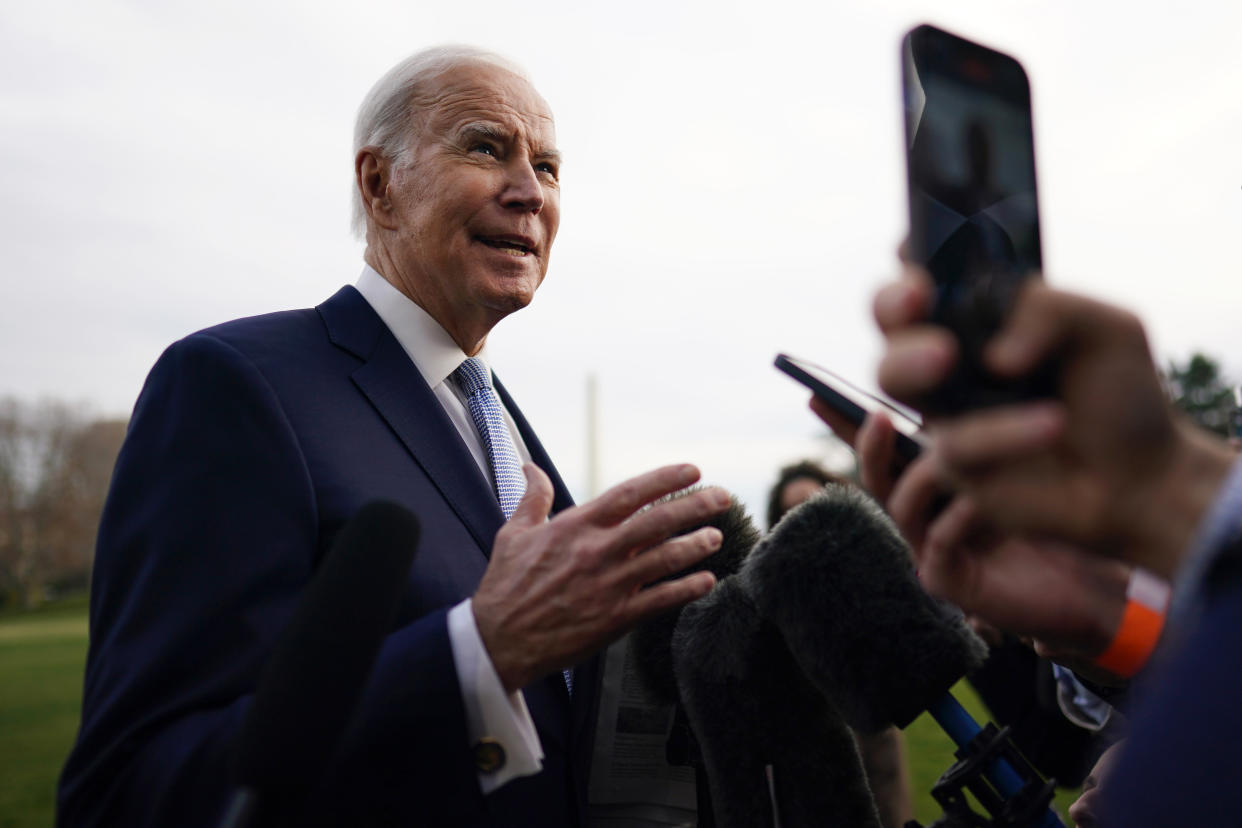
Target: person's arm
x,y
491,712
209,536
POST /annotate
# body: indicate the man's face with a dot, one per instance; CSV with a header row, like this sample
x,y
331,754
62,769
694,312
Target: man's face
x,y
477,201
1084,811
798,490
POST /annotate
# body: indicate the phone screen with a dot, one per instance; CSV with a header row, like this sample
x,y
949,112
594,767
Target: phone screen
x,y
853,403
974,217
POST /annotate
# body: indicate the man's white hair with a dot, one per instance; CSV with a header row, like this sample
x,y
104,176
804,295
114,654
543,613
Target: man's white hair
x,y
387,114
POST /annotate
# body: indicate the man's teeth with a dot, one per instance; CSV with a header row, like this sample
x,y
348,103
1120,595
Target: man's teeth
x,y
507,247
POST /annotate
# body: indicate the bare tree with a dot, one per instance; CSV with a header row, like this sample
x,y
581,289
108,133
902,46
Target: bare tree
x,y
55,466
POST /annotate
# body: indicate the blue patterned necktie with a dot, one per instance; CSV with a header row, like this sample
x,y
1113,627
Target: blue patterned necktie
x,y
475,381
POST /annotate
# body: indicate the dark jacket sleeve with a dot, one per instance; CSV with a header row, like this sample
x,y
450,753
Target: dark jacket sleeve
x,y
210,533
1181,764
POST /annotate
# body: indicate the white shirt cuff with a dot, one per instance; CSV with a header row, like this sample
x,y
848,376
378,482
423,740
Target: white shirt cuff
x,y
491,713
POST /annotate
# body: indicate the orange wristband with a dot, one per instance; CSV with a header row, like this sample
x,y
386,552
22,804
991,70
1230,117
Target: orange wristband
x,y
1136,638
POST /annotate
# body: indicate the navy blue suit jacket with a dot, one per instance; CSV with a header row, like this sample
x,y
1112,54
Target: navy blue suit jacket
x,y
1181,765
250,445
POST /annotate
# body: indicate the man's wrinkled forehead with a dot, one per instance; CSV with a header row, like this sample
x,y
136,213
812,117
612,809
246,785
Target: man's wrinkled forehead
x,y
489,96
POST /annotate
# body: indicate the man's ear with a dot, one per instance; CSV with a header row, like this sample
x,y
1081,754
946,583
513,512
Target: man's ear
x,y
372,174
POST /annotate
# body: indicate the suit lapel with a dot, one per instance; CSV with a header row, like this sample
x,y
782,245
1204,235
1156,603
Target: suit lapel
x,y
393,385
396,389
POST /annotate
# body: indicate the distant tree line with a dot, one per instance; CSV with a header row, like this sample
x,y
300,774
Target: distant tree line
x,y
55,465
1200,390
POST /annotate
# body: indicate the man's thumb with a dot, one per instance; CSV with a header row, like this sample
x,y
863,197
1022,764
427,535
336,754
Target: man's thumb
x,y
537,501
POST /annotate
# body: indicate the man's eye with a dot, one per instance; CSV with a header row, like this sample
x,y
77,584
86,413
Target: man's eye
x,y
547,168
486,149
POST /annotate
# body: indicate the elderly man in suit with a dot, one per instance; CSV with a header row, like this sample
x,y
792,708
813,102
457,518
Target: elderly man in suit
x,y
254,441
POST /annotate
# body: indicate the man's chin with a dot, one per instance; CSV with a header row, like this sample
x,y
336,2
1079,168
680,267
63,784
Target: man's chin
x,y
513,302
509,294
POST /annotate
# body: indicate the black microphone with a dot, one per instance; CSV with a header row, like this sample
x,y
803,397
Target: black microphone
x,y
780,658
651,641
320,664
651,644
753,710
837,581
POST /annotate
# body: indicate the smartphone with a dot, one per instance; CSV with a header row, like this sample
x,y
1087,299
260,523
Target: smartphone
x,y
974,217
852,403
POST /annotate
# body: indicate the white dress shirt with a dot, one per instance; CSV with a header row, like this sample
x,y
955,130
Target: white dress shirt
x,y
490,712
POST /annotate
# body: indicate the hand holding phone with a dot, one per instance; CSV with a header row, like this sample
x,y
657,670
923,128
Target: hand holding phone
x,y
851,403
974,218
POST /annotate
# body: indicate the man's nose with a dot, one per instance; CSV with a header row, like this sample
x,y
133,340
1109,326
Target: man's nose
x,y
1080,811
522,190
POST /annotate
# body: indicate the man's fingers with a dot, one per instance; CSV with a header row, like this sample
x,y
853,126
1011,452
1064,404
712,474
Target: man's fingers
x,y
623,500
1045,322
910,504
670,557
917,360
670,594
535,504
905,301
952,527
840,426
668,518
876,448
1000,434
939,558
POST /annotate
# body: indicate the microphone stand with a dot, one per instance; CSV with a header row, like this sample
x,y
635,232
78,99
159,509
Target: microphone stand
x,y
992,769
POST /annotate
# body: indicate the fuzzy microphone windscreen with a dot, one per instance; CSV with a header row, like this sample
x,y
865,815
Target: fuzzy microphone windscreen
x,y
649,641
836,578
753,710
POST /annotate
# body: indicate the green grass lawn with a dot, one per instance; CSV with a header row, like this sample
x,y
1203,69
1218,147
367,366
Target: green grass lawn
x,y
41,658
929,753
42,654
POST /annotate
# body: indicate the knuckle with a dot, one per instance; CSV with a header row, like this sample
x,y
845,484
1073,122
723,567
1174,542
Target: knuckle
x,y
620,615
708,502
627,493
506,536
585,556
664,522
590,548
668,558
558,531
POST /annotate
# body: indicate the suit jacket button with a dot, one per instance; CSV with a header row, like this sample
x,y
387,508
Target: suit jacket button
x,y
489,755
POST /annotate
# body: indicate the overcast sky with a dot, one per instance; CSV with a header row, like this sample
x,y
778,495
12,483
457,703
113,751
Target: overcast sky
x,y
732,187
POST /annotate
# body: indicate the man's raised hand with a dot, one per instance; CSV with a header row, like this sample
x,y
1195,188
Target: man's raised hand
x,y
557,590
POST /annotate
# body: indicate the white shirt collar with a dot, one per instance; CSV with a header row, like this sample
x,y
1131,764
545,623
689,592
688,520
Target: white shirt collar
x,y
428,345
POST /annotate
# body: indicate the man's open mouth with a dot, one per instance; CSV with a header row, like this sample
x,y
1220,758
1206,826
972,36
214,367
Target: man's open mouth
x,y
510,246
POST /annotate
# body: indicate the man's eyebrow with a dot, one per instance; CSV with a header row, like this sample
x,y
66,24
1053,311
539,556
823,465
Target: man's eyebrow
x,y
488,131
549,155
483,130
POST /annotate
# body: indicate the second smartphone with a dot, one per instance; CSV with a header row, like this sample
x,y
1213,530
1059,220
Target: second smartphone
x,y
974,216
